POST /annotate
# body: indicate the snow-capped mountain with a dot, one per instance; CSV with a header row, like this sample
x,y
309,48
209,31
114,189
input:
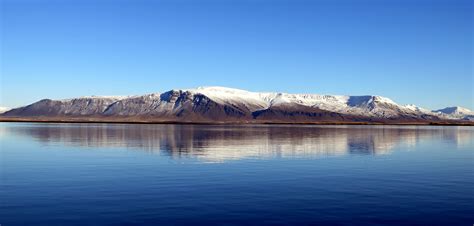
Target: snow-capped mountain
x,y
220,104
456,113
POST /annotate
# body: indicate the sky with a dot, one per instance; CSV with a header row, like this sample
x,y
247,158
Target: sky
x,y
412,51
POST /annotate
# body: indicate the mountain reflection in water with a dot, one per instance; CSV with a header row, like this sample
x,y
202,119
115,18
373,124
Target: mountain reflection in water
x,y
217,143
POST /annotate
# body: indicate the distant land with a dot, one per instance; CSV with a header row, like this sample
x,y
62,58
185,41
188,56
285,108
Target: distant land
x,y
228,105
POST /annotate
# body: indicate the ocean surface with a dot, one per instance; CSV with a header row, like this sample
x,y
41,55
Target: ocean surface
x,y
119,174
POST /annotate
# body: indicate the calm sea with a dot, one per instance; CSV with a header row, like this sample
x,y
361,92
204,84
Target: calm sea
x,y
114,174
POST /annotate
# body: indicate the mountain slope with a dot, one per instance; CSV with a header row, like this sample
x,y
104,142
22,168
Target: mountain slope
x,y
456,113
73,107
220,104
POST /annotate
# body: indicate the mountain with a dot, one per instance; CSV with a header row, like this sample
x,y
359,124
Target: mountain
x,y
456,113
455,110
227,105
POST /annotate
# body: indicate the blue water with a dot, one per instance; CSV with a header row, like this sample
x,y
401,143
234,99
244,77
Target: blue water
x,y
113,174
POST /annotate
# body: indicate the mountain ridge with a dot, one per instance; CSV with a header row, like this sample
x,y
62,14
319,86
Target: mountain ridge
x,y
222,104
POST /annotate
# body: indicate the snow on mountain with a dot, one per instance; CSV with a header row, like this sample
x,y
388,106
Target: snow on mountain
x,y
221,103
456,113
254,101
4,109
353,105
93,97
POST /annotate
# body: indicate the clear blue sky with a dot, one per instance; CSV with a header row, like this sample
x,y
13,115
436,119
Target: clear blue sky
x,y
413,51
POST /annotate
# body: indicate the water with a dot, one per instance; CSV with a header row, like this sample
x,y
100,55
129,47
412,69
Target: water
x,y
96,174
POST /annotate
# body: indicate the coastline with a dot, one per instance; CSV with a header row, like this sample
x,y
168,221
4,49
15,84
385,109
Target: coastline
x,y
148,121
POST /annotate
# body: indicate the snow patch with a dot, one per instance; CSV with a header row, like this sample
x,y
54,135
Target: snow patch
x,y
4,109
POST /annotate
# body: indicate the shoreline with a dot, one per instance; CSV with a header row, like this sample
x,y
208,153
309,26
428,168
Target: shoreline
x,y
136,121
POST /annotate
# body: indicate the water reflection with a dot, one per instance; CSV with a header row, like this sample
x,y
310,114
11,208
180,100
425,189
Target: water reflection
x,y
221,143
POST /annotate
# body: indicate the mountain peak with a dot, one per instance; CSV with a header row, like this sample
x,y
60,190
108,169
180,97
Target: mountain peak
x,y
93,97
457,110
220,90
